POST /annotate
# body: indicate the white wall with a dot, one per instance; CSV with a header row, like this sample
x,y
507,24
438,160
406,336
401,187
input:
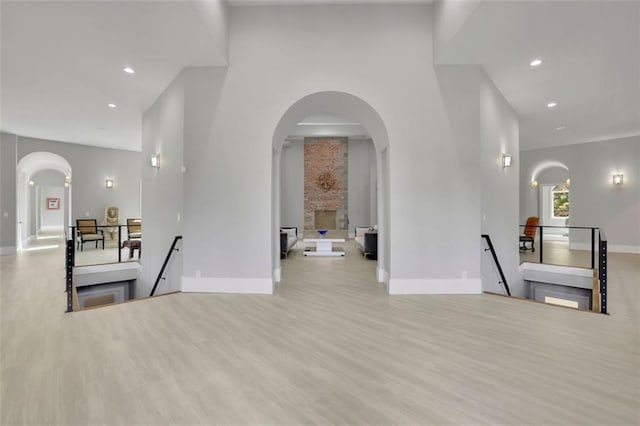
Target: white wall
x,y
362,173
51,218
500,135
8,217
227,238
449,18
292,186
176,126
595,201
484,127
163,134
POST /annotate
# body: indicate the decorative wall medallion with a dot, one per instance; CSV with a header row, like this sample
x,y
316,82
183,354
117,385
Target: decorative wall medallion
x,y
326,180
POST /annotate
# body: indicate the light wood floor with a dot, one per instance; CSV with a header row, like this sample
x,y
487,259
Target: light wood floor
x,y
330,347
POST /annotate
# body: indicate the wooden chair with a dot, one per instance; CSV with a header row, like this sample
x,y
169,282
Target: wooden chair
x,y
134,236
529,233
134,229
87,230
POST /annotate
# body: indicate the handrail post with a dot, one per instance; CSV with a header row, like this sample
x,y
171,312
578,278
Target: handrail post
x,y
119,240
70,254
602,273
593,247
541,249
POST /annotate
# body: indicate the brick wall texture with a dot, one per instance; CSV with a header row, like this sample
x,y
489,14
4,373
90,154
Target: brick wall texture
x,y
324,160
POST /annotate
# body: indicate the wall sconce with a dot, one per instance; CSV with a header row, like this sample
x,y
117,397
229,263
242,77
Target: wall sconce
x,y
618,179
155,160
506,160
32,183
66,184
568,182
534,184
109,183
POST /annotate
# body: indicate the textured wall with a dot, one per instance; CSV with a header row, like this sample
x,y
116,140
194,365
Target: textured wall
x,y
325,179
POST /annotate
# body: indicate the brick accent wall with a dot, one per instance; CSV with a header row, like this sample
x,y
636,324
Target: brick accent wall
x,y
325,179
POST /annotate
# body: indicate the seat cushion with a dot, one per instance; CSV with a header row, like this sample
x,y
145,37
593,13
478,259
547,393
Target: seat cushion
x,y
361,230
92,237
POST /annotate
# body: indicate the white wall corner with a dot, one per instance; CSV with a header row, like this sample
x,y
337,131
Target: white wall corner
x,y
277,274
435,286
227,285
383,276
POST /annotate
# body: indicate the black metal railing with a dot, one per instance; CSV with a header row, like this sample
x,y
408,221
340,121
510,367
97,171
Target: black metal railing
x,y
601,254
497,263
117,235
540,234
69,253
602,270
166,261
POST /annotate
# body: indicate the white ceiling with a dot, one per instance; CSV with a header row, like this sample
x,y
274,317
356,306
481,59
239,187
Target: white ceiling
x,y
591,66
62,64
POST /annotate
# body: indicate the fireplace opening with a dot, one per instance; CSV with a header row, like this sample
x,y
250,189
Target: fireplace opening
x,y
325,219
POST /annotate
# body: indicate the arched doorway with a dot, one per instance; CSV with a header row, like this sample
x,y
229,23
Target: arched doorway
x,y
544,176
37,204
346,105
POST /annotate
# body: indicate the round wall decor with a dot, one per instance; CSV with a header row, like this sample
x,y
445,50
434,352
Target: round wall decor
x,y
326,180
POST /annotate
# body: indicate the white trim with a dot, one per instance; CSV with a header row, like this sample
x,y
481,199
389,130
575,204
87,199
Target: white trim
x,y
107,273
435,286
7,251
277,274
227,285
611,248
570,276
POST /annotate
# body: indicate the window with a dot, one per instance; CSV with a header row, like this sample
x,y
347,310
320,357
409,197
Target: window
x,y
560,201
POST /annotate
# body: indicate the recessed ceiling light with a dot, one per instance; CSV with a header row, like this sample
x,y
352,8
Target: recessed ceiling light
x,y
129,70
112,105
561,127
551,104
536,62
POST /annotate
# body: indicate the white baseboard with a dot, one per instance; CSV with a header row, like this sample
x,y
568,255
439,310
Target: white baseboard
x,y
435,286
227,285
611,248
277,275
7,251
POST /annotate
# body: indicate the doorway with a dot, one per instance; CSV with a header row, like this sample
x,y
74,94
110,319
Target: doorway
x,y
555,209
329,114
43,197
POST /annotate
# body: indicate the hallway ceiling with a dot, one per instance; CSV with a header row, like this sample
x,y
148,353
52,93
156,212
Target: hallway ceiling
x,y
62,63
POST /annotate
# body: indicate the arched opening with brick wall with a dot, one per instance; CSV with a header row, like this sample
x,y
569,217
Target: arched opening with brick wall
x,y
333,133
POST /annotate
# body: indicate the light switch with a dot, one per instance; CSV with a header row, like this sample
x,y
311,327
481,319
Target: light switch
x,y
5,215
